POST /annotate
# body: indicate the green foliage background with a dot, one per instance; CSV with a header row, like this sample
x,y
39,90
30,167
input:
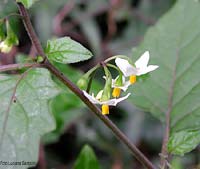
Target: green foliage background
x,y
172,40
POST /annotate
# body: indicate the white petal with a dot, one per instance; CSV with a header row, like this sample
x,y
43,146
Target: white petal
x,y
99,95
91,98
143,60
126,68
152,67
123,79
147,69
125,84
113,83
113,102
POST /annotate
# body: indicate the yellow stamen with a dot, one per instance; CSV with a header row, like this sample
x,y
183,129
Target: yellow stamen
x,y
116,92
105,109
132,79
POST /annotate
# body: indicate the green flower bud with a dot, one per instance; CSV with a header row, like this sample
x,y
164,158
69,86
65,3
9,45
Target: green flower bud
x,y
2,33
119,80
84,80
40,59
83,83
4,47
108,86
11,38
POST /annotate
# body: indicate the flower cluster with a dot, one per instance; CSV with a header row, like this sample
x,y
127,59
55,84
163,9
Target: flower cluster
x,y
125,70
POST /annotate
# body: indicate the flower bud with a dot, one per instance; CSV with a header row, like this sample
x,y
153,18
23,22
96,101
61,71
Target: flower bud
x,y
108,86
119,80
83,83
40,59
4,47
2,34
11,38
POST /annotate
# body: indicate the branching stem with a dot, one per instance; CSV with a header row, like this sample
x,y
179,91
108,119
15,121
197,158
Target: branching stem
x,y
30,30
17,66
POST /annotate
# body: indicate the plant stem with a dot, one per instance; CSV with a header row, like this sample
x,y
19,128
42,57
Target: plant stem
x,y
16,66
138,154
30,30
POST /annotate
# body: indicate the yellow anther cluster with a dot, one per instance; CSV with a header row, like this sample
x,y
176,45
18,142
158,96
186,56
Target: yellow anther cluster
x,y
105,109
116,92
132,79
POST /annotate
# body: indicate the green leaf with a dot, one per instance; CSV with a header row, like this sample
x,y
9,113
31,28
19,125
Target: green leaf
x,y
7,7
26,118
27,3
176,163
183,142
86,159
65,50
175,85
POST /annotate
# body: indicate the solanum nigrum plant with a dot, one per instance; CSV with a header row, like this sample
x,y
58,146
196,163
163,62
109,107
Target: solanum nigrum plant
x,y
170,89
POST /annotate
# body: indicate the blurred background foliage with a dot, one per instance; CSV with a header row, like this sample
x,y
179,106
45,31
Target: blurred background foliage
x,y
106,27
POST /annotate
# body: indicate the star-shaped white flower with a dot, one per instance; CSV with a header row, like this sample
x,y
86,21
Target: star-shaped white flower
x,y
141,66
105,104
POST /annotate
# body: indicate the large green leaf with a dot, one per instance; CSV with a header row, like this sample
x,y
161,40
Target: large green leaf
x,y
86,159
27,3
174,46
66,50
26,118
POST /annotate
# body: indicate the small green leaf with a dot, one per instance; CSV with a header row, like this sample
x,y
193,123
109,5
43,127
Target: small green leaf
x,y
25,117
87,159
65,50
27,3
183,142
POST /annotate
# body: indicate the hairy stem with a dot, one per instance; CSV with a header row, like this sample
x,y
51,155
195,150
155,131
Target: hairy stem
x,y
120,135
16,66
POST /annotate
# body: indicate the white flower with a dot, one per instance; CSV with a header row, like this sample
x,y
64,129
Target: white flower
x,y
124,86
117,88
140,66
105,104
